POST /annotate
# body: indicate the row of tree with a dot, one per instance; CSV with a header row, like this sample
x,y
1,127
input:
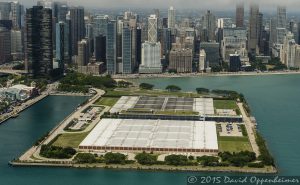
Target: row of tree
x,y
74,81
57,152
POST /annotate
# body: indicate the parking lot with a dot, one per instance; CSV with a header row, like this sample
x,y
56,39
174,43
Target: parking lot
x,y
229,129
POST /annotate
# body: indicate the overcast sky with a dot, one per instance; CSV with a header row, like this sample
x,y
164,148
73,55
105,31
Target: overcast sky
x,y
292,5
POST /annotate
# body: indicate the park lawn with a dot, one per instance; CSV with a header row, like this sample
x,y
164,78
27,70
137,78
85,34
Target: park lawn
x,y
108,101
225,104
70,140
233,144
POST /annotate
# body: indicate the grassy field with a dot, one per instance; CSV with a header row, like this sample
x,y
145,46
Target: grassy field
x,y
70,140
108,101
233,144
225,104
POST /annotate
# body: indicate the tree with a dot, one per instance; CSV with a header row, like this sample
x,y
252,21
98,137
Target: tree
x,y
146,159
85,158
202,90
124,84
146,86
114,158
173,88
176,160
208,160
57,152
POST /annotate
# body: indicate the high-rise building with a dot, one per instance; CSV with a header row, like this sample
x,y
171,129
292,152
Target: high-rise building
x,y
181,60
209,26
150,58
253,29
152,28
127,63
5,10
83,53
281,24
287,53
60,45
77,27
5,48
212,50
111,47
297,56
166,43
17,44
171,17
100,25
138,45
239,15
273,32
100,48
16,14
281,17
234,63
202,60
39,48
62,12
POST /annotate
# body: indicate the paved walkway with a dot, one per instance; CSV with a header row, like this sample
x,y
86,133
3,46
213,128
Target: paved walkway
x,y
250,127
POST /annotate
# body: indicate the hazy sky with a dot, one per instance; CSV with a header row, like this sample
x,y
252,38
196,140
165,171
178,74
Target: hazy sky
x,y
293,5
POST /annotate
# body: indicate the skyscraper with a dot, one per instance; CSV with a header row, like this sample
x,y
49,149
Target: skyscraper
x,y
39,51
253,28
111,47
181,60
281,24
209,26
281,17
77,27
83,53
5,48
100,48
171,17
166,43
4,10
60,44
152,28
15,14
127,51
150,58
17,44
100,25
202,60
239,15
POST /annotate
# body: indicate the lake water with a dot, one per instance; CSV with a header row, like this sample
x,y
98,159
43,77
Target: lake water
x,y
275,102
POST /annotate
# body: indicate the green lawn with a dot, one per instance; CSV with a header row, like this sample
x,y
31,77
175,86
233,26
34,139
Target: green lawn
x,y
70,140
225,104
108,101
233,144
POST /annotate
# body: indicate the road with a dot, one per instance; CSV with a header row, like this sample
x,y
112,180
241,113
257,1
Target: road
x,y
250,127
13,72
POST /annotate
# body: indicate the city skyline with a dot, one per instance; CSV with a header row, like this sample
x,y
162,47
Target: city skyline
x,y
178,4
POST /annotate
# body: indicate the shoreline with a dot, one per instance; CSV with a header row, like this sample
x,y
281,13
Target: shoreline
x,y
27,160
35,100
265,170
24,107
179,75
